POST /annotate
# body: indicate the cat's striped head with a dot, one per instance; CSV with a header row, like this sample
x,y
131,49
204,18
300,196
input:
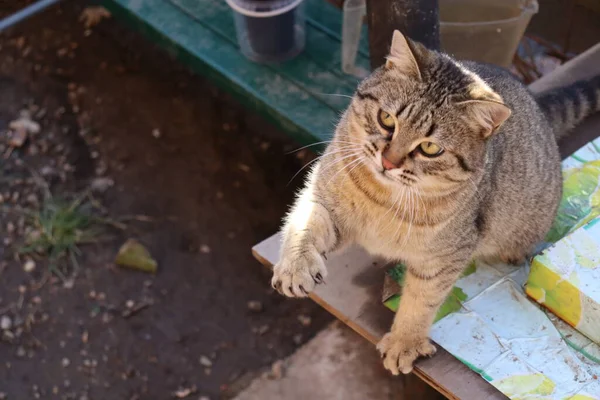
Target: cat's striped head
x,y
423,119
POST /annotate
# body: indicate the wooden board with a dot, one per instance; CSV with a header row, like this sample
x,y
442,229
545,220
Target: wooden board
x,y
298,96
353,294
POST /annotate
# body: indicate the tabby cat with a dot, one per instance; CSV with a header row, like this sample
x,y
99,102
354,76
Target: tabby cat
x,y
435,162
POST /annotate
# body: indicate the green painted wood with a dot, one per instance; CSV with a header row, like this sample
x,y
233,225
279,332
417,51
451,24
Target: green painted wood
x,y
327,17
323,34
294,95
305,70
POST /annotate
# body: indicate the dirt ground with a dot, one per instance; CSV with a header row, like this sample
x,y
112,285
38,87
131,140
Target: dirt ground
x,y
209,180
196,178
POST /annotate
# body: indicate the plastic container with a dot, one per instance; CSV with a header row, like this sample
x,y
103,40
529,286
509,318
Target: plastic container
x,y
269,30
484,30
480,30
354,14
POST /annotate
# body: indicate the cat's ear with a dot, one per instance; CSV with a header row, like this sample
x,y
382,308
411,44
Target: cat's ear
x,y
402,56
487,114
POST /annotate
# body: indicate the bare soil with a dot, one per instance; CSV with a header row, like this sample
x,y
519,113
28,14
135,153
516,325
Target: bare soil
x,y
210,181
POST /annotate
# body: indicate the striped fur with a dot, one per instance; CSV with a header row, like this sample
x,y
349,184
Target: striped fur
x,y
568,106
491,192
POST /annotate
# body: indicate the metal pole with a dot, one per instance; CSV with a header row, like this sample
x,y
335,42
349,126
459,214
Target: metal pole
x,y
418,19
25,13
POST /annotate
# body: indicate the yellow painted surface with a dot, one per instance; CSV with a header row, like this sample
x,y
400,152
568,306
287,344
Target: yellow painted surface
x,y
522,387
549,289
582,397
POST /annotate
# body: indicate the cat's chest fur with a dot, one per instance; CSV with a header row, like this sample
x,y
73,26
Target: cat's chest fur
x,y
389,233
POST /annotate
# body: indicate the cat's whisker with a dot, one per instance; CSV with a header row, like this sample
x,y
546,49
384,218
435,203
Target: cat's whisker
x,y
392,205
359,142
413,213
335,95
313,161
423,207
413,202
385,225
410,216
338,160
345,147
340,151
359,160
322,142
308,145
338,141
357,165
401,218
398,205
344,150
344,153
301,169
420,197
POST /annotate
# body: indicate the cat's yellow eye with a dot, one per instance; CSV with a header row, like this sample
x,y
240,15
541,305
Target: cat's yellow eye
x,y
386,120
430,149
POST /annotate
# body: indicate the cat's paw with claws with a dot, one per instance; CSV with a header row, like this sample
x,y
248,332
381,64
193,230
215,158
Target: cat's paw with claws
x,y
399,352
297,274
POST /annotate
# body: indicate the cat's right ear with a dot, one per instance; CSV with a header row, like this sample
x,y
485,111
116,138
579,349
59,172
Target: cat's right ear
x,y
402,56
488,114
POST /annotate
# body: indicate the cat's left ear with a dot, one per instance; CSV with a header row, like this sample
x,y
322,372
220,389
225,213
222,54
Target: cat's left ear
x,y
403,56
487,114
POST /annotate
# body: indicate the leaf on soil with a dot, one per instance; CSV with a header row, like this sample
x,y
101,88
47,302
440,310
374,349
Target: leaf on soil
x,y
205,361
5,323
17,138
91,16
20,129
277,370
25,123
134,255
255,305
29,266
182,393
101,185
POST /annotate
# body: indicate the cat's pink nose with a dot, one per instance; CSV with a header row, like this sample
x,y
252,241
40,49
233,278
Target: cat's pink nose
x,y
387,164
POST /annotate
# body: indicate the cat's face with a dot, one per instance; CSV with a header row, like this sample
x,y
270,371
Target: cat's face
x,y
423,120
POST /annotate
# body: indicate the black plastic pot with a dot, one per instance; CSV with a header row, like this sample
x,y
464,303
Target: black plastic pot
x,y
264,33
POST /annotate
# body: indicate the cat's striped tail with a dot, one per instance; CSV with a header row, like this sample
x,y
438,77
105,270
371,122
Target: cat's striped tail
x,y
567,106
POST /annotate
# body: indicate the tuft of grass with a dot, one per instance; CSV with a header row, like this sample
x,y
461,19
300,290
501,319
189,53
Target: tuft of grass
x,y
59,228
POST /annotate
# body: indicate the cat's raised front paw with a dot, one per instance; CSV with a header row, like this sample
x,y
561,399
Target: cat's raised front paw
x,y
296,275
399,352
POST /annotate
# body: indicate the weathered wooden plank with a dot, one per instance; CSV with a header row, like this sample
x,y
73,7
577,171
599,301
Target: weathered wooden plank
x,y
353,294
313,70
280,100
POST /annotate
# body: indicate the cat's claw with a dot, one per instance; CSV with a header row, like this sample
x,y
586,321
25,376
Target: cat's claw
x,y
297,276
399,352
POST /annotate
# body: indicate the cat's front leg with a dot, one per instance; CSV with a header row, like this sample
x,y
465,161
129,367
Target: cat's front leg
x,y
423,293
309,233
